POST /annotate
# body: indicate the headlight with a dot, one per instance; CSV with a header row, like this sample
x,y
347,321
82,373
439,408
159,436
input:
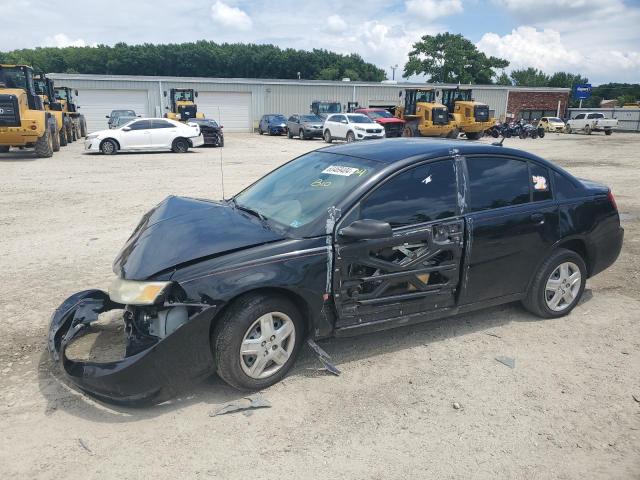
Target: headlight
x,y
131,292
360,128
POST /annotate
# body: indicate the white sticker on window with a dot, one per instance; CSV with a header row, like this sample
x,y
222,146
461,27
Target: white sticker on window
x,y
427,180
339,170
539,182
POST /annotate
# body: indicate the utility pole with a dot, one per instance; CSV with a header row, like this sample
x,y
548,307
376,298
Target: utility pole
x,y
393,70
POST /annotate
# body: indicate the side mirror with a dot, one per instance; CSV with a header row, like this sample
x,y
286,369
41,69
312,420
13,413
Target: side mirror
x,y
107,116
366,229
343,121
126,129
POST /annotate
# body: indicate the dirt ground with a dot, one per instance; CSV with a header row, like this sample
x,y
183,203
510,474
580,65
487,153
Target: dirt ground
x,y
566,411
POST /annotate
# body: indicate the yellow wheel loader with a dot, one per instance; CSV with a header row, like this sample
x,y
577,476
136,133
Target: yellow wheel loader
x,y
183,107
77,127
472,117
424,116
24,123
45,89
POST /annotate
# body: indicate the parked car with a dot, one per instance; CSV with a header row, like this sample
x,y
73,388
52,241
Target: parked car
x,y
393,126
145,134
351,127
305,126
211,132
343,240
121,120
113,116
552,124
273,124
591,122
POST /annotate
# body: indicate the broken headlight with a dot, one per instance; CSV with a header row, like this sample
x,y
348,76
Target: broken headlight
x,y
132,292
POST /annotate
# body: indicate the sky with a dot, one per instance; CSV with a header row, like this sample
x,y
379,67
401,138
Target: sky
x,y
599,39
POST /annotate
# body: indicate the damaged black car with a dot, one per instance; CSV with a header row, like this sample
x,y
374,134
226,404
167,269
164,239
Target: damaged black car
x,y
340,241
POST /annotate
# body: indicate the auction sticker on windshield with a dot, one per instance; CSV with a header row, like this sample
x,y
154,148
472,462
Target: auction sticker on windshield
x,y
339,170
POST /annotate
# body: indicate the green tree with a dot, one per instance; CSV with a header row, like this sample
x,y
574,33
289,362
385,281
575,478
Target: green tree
x,y
503,79
566,80
530,77
451,58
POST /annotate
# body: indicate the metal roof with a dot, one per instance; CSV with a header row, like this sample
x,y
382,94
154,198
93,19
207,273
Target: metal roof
x,y
275,81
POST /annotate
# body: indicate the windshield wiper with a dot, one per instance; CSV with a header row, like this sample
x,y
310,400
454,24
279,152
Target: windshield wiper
x,y
253,212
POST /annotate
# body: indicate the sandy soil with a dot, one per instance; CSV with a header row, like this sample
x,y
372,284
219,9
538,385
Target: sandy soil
x,y
566,411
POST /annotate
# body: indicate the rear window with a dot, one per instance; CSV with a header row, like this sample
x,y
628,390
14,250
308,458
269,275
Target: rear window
x,y
497,182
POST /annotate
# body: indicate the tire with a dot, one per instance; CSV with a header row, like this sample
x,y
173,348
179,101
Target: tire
x,y
473,135
83,126
109,147
302,134
608,131
239,323
4,148
260,131
507,134
327,136
537,301
453,134
180,145
44,145
63,137
54,136
350,137
587,129
495,133
534,134
567,129
289,133
541,132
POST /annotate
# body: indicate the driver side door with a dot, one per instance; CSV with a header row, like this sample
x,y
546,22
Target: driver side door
x,y
138,137
414,271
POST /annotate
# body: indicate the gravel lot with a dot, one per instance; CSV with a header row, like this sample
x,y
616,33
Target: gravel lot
x,y
566,411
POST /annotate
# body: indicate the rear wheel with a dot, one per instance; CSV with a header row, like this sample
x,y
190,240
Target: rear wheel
x,y
260,131
473,135
83,126
180,145
63,137
54,135
608,131
303,135
453,133
327,136
256,341
289,133
587,129
541,132
109,147
558,285
44,145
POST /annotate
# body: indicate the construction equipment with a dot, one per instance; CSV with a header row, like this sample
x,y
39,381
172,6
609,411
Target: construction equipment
x,y
424,116
45,89
77,127
23,119
183,106
472,118
323,109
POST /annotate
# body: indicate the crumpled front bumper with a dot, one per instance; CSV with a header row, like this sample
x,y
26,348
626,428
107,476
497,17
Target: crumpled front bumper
x,y
153,374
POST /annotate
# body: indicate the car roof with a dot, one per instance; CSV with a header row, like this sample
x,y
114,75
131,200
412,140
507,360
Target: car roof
x,y
394,150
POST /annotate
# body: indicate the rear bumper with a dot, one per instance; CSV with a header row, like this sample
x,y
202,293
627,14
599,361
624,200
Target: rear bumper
x,y
18,136
606,250
197,141
152,374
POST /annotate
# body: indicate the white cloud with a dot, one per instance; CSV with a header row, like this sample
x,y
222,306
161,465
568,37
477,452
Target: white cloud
x,y
432,9
230,17
336,24
548,51
62,40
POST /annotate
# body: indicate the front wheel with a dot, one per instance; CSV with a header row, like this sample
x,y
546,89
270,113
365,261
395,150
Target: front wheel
x,y
587,129
109,147
256,341
44,145
558,285
608,131
567,129
180,145
541,132
289,133
327,136
302,135
351,137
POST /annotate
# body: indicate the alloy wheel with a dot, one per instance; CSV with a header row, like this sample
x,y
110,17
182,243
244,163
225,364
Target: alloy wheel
x,y
267,345
563,286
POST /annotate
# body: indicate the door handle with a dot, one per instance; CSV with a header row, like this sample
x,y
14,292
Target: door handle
x,y
537,218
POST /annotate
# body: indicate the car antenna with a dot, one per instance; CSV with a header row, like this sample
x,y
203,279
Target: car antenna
x,y
221,166
498,144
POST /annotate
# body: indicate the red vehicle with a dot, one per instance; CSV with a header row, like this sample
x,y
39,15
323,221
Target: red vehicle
x,y
393,126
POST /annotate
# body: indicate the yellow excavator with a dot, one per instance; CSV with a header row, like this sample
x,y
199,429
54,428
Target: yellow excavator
x,y
24,123
78,124
424,116
473,118
45,89
183,107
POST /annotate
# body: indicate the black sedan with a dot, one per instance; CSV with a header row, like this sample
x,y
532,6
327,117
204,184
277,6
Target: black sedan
x,y
211,131
340,241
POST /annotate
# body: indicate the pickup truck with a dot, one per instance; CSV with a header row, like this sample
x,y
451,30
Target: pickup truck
x,y
592,122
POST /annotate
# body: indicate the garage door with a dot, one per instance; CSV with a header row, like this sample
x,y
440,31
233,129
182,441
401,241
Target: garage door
x,y
230,109
95,104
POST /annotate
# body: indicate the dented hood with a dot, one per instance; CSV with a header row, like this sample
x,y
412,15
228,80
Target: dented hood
x,y
181,230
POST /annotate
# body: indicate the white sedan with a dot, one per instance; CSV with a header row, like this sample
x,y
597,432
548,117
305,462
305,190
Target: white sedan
x,y
145,134
351,127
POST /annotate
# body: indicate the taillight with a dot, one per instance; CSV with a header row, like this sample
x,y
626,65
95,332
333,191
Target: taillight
x,y
612,200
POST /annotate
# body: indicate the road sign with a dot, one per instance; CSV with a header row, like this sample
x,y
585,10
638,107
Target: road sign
x,y
582,92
